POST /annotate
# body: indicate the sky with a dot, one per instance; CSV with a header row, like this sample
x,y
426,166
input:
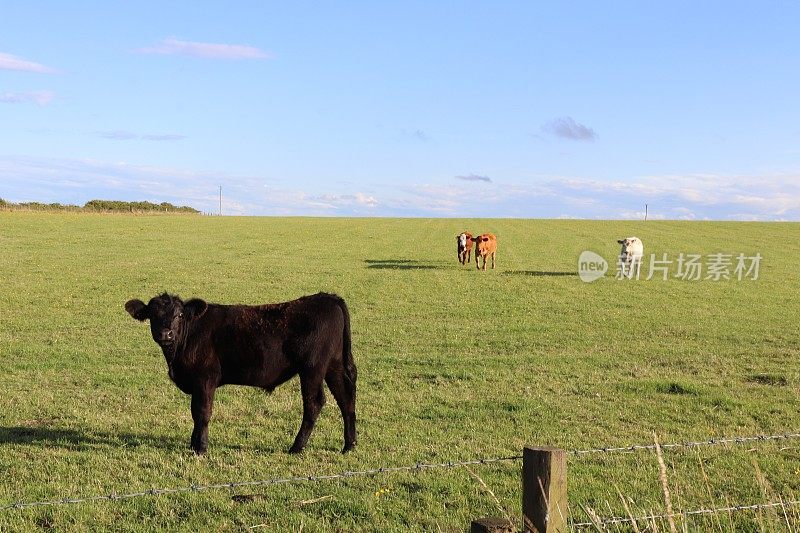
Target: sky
x,y
406,109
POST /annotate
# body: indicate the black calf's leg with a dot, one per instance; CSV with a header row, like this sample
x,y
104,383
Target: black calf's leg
x,y
202,402
313,400
345,393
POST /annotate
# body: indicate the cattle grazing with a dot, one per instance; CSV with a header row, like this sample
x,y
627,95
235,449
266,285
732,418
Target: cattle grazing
x,y
208,345
485,245
464,243
630,257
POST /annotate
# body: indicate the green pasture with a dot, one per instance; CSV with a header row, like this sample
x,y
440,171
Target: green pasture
x,y
453,364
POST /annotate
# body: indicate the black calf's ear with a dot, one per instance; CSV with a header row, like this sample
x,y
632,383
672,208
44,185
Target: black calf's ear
x,y
137,309
195,308
621,241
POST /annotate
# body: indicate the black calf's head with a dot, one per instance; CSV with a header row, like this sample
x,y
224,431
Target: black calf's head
x,y
168,316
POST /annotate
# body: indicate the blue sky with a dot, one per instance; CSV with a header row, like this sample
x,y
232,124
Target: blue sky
x,y
445,109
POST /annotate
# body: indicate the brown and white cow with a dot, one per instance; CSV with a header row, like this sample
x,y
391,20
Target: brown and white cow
x,y
485,245
464,243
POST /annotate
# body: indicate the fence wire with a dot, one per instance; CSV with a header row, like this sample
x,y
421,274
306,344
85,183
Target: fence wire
x,y
274,481
691,444
602,522
114,496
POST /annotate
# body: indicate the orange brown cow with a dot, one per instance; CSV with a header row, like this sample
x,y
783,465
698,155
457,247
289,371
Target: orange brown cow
x,y
464,243
485,245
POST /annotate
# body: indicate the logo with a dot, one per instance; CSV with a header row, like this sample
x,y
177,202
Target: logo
x,y
591,266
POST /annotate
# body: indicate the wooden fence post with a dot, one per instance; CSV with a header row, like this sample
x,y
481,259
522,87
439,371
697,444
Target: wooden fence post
x,y
544,490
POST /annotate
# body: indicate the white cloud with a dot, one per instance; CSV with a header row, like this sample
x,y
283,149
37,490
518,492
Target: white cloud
x,y
40,98
12,62
567,128
173,46
117,135
414,135
775,197
363,199
637,215
474,177
164,137
79,180
337,201
684,213
694,196
122,135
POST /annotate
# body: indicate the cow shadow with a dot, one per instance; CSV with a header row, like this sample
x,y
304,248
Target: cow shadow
x,y
538,273
403,264
90,440
78,439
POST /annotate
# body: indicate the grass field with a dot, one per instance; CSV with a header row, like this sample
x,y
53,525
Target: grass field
x,y
453,364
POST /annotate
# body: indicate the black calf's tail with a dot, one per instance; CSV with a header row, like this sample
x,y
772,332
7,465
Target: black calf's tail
x,y
347,346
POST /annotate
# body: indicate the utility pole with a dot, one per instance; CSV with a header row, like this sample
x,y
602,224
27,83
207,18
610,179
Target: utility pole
x,y
645,211
220,200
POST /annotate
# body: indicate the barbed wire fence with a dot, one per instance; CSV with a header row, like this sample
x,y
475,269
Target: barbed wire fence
x,y
418,467
649,518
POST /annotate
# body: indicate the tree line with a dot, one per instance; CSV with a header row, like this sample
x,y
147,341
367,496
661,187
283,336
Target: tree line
x,y
105,206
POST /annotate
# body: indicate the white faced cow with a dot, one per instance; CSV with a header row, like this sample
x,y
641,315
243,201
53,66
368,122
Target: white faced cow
x,y
630,257
464,244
